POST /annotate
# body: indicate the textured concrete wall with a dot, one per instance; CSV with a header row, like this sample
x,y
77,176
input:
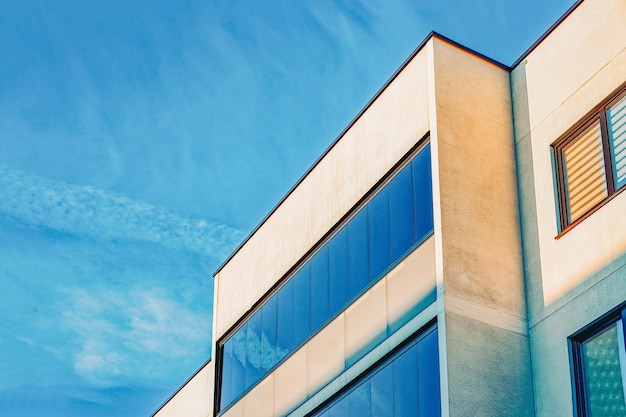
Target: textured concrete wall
x,y
391,126
194,399
576,278
485,362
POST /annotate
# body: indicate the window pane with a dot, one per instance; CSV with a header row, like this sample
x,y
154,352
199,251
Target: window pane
x,y
428,368
360,400
338,270
585,181
268,335
319,288
357,254
422,194
401,213
604,378
405,383
616,119
239,363
253,349
382,393
378,230
341,408
301,304
396,386
284,336
227,368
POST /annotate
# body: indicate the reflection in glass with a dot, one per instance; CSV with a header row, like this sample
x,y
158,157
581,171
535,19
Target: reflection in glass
x,y
284,332
228,359
381,232
268,335
301,304
604,378
238,342
253,349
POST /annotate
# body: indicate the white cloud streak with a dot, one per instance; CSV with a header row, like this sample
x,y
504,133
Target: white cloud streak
x,y
130,335
90,212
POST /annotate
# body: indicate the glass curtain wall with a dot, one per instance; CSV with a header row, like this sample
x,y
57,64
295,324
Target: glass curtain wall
x,y
406,384
396,219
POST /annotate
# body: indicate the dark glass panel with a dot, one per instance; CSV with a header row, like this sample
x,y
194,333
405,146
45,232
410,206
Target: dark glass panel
x,y
401,213
338,271
360,400
428,364
357,254
284,333
253,349
405,384
378,233
422,193
319,288
301,305
227,371
382,393
603,373
238,376
268,335
341,408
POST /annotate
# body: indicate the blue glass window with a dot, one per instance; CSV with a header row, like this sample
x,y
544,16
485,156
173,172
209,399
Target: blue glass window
x,y
338,271
319,288
284,336
382,391
268,335
401,212
301,304
405,384
422,194
253,349
357,254
397,218
378,228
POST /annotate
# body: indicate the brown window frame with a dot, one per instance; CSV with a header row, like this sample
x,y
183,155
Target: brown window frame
x,y
597,113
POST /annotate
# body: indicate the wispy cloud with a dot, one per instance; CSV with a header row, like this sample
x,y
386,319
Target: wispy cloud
x,y
122,336
86,211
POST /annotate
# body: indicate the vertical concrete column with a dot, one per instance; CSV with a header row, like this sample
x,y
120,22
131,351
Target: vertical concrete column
x,y
485,361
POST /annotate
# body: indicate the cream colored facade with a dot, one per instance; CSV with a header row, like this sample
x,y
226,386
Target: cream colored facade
x,y
508,293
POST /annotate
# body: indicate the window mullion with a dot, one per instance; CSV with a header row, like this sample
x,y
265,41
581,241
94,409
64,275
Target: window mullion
x,y
606,149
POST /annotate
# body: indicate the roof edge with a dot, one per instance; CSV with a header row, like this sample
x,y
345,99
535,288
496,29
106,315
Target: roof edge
x,y
547,33
417,50
171,397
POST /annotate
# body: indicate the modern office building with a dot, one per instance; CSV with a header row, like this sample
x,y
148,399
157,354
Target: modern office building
x,y
460,250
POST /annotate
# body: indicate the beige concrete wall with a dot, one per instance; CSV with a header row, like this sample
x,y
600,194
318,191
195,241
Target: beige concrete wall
x,y
479,263
390,303
194,399
379,138
576,278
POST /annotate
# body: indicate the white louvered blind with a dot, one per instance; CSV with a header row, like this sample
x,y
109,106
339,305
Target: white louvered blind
x,y
585,179
616,120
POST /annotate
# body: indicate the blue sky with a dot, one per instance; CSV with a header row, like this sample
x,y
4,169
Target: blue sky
x,y
142,140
